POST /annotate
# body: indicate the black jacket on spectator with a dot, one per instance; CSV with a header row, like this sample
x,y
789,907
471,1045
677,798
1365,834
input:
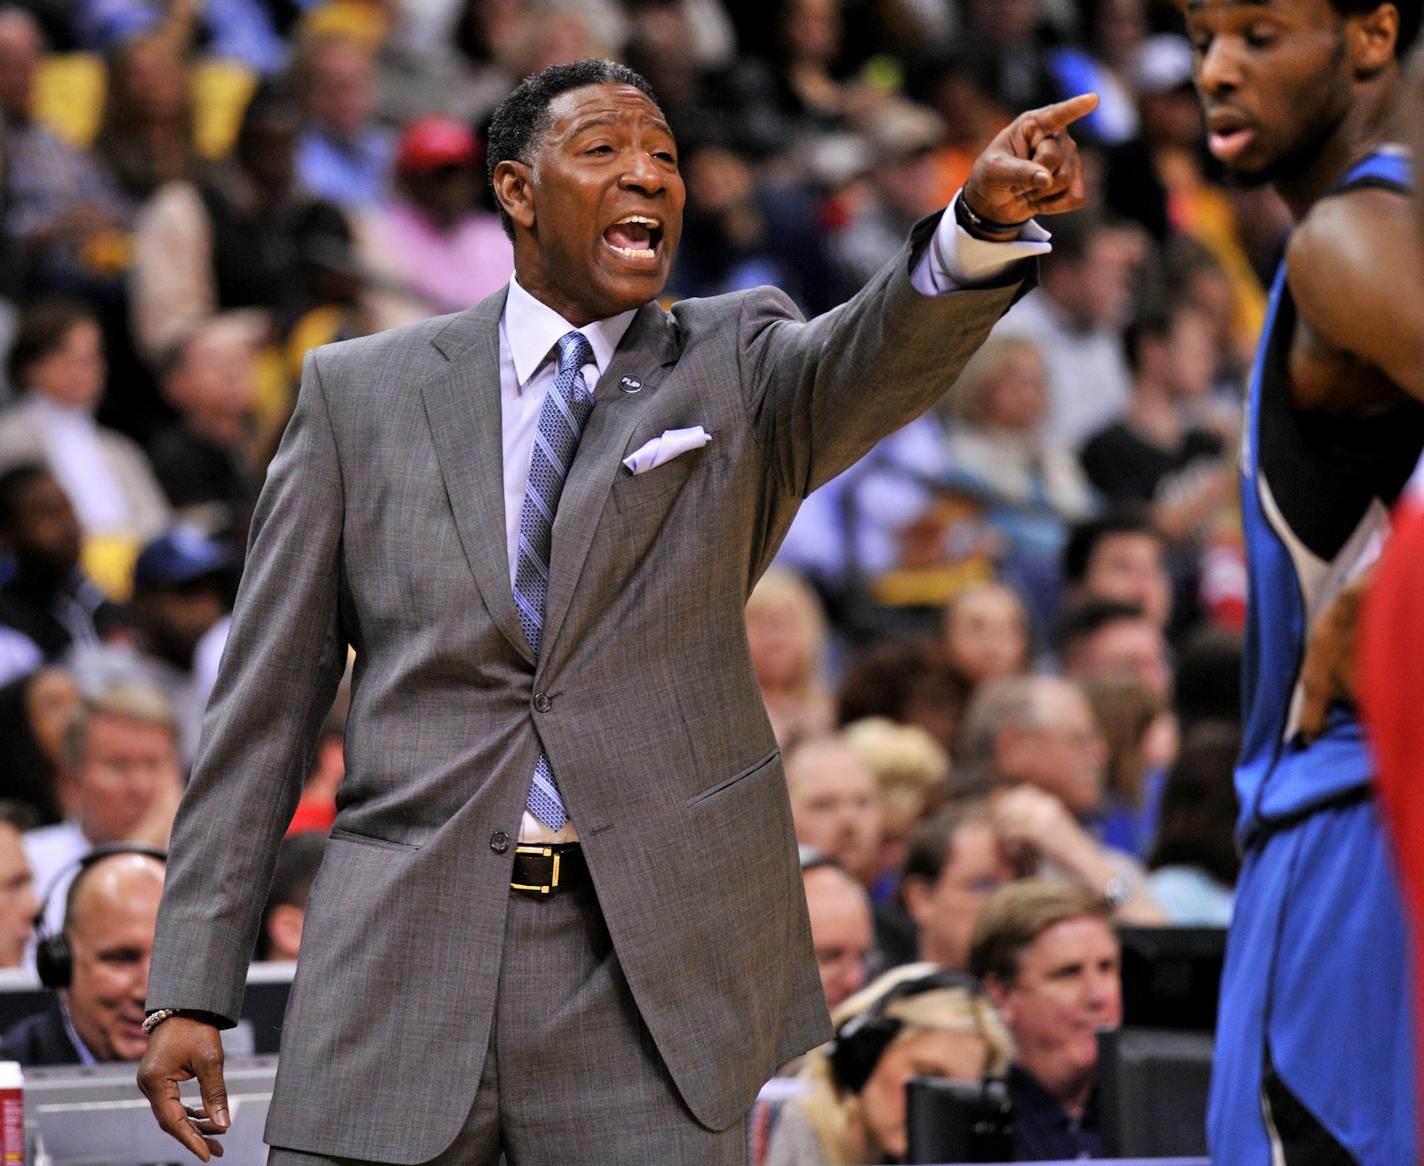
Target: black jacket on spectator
x,y
51,621
41,1039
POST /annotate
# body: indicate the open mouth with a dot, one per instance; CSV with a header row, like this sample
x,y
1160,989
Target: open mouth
x,y
635,237
1228,134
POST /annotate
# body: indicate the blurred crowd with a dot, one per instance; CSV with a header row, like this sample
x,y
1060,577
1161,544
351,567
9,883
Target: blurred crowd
x,y
1000,648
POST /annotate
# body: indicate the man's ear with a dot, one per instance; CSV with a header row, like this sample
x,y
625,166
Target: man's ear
x,y
998,993
1370,39
916,891
515,192
284,930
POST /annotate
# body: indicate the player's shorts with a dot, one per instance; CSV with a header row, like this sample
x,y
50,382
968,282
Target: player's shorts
x,y
1314,1060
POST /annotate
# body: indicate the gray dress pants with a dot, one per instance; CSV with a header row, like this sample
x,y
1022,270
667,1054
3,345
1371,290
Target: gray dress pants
x,y
572,1077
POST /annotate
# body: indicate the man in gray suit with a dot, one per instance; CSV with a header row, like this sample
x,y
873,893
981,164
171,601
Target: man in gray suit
x,y
560,914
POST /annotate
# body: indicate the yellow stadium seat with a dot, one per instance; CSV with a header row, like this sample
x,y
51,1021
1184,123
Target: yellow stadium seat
x,y
69,95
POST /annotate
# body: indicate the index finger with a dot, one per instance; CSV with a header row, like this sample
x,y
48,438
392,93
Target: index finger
x,y
1052,118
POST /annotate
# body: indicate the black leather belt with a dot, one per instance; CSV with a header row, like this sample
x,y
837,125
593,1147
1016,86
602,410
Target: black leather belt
x,y
548,869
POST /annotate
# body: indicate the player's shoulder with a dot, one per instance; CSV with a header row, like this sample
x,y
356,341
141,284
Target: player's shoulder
x,y
1345,247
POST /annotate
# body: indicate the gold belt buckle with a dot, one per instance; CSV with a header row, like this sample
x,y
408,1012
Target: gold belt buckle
x,y
541,852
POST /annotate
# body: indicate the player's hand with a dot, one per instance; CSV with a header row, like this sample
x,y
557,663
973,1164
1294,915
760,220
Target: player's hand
x,y
180,1049
1327,675
1032,167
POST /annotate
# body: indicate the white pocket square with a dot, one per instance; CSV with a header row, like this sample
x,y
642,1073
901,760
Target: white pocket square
x,y
673,443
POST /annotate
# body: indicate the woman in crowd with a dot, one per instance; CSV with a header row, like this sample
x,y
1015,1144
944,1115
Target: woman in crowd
x,y
1195,861
787,634
35,710
58,365
912,779
986,634
912,1021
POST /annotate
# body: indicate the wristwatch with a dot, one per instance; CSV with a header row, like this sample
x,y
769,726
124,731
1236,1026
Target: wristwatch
x,y
1117,891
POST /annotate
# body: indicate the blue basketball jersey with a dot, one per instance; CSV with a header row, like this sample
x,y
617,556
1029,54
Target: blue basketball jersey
x,y
1315,499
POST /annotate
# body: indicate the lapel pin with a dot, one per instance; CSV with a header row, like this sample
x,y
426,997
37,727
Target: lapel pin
x,y
630,384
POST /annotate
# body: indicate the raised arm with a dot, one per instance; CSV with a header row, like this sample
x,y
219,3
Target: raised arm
x,y
821,394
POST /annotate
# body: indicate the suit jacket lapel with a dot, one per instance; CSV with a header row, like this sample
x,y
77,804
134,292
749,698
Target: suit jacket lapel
x,y
649,344
462,407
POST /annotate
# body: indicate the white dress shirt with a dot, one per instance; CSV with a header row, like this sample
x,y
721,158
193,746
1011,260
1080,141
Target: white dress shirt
x,y
529,333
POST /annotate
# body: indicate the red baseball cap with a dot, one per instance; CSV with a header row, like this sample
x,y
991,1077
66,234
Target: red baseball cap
x,y
429,143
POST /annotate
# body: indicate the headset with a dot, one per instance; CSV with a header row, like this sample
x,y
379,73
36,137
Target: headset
x,y
861,1041
53,960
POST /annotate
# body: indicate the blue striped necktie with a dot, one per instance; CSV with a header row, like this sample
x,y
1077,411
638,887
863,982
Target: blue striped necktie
x,y
561,421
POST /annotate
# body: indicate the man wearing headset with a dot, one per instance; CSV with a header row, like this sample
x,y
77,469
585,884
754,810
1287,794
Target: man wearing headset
x,y
1048,959
98,965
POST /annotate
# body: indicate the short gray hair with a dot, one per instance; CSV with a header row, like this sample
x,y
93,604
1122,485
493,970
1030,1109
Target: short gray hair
x,y
1017,702
128,700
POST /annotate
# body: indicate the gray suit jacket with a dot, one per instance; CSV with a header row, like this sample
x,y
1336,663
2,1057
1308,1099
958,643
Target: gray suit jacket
x,y
381,526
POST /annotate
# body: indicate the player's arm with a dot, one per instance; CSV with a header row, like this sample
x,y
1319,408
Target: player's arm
x,y
1354,271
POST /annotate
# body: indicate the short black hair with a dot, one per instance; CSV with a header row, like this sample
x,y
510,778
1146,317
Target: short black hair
x,y
1408,17
1088,617
523,116
931,843
14,482
1124,518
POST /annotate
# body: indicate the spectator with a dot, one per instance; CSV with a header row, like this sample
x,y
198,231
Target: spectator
x,y
206,462
834,804
121,758
1037,748
146,136
1037,729
57,363
841,930
182,593
986,633
1119,556
911,778
1075,318
899,187
34,710
18,904
298,859
907,683
434,246
740,232
229,239
997,444
342,155
1050,962
109,914
1104,638
62,208
956,859
913,1021
1208,681
1195,861
1160,453
47,602
786,632
1141,737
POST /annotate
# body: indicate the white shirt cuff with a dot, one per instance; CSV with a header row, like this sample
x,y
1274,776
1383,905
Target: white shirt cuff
x,y
956,259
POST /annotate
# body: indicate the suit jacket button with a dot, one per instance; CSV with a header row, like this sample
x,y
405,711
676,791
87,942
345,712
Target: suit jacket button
x,y
499,841
542,703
